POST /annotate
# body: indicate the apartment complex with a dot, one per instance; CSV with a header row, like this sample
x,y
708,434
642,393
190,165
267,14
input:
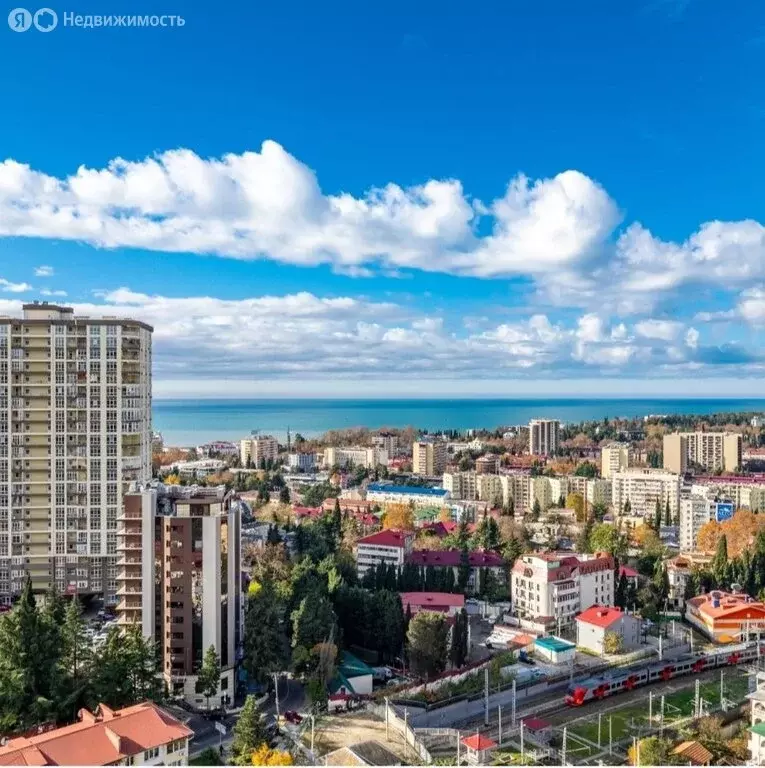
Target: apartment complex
x,y
557,587
369,458
614,457
643,488
180,579
75,429
387,493
143,734
428,458
543,437
712,451
488,464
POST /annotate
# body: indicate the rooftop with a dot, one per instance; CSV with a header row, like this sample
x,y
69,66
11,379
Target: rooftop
x,y
106,737
414,490
453,558
478,742
693,752
600,615
535,723
434,600
555,644
717,604
386,538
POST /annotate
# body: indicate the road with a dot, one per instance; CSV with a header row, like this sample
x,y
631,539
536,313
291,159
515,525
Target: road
x,y
291,697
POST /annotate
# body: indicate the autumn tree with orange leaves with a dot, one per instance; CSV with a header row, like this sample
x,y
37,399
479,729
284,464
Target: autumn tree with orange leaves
x,y
740,532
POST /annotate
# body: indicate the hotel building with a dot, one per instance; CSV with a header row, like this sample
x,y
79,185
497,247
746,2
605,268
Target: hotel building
x,y
75,430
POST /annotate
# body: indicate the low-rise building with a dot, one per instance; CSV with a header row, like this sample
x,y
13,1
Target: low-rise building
x,y
368,458
726,617
199,468
478,749
302,462
217,448
593,624
556,650
387,493
479,562
143,734
679,570
757,720
488,464
389,547
447,603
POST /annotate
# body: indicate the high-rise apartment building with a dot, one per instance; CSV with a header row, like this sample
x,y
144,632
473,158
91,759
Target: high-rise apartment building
x,y
614,457
710,451
180,579
543,437
695,512
75,430
428,458
258,449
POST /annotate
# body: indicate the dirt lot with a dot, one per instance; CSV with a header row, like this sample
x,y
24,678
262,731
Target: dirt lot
x,y
346,728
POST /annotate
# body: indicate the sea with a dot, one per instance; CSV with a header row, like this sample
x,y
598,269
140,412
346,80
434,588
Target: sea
x,y
191,422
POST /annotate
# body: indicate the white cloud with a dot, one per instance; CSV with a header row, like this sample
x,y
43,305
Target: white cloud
x,y
48,292
8,287
751,306
43,271
662,330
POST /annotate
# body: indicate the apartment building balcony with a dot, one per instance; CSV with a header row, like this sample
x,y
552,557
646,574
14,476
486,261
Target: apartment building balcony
x,y
130,575
128,618
129,544
128,560
128,591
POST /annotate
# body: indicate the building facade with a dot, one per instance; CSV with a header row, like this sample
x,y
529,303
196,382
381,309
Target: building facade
x,y
180,580
389,547
543,437
558,586
614,457
302,462
712,451
429,458
384,493
726,617
386,441
369,458
695,511
75,430
643,488
258,449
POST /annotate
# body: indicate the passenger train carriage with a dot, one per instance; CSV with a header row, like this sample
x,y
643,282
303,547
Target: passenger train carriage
x,y
596,688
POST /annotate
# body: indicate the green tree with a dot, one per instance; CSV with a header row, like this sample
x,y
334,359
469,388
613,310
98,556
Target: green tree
x,y
667,514
249,733
719,563
427,637
75,658
284,495
606,538
651,751
266,647
612,643
312,623
583,539
622,592
657,516
208,675
458,645
512,550
463,570
586,469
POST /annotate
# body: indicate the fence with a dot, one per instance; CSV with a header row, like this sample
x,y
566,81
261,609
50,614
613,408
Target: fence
x,y
404,729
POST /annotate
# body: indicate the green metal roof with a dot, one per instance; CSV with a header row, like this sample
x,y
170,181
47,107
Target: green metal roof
x,y
353,666
554,644
759,729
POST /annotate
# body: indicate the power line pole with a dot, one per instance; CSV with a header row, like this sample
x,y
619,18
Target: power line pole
x,y
650,709
512,712
661,721
458,747
276,694
600,718
563,748
486,696
500,724
313,724
722,690
522,753
610,737
387,732
697,699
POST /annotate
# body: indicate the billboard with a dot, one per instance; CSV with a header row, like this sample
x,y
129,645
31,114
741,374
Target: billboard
x,y
724,511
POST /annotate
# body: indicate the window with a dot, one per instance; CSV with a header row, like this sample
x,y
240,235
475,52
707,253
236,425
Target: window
x,y
150,754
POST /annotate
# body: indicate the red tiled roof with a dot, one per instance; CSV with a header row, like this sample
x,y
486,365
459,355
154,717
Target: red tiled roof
x,y
600,616
695,753
630,573
453,558
432,600
719,604
108,737
307,511
478,742
386,538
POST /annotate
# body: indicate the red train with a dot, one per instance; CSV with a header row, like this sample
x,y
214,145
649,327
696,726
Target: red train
x,y
596,688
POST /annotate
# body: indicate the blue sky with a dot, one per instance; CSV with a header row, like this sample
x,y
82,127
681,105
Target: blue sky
x,y
509,193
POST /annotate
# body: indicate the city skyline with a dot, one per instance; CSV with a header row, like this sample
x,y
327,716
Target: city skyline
x,y
492,204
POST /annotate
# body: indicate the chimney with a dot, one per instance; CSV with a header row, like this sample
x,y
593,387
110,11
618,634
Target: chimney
x,y
86,716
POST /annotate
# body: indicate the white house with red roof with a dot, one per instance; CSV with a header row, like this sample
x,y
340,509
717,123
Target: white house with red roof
x,y
593,624
478,749
555,587
143,734
446,603
389,546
